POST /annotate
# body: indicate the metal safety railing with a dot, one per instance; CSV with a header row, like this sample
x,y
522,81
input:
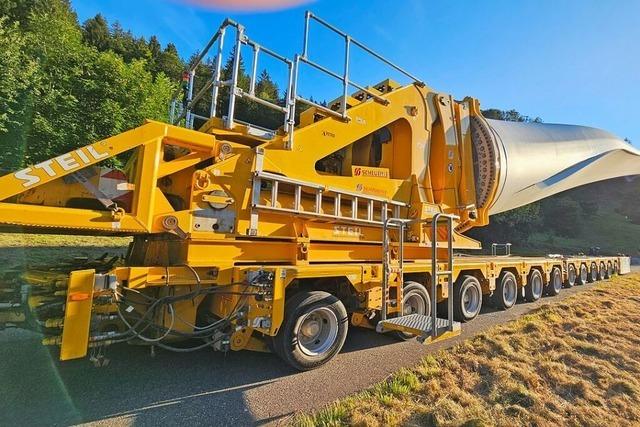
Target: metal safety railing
x,y
345,76
184,101
506,247
185,109
448,219
436,273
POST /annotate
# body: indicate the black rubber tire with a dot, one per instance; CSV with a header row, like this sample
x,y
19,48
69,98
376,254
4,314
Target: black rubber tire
x,y
571,276
271,345
413,288
463,285
583,277
530,292
555,282
593,273
609,270
286,343
500,301
602,272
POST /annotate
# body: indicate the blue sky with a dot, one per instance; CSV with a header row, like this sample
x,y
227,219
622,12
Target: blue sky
x,y
567,61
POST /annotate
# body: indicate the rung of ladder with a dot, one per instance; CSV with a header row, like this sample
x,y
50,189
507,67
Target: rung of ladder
x,y
274,194
354,208
318,200
444,273
297,197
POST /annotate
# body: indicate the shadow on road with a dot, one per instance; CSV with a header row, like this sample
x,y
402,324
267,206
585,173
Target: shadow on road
x,y
136,387
39,390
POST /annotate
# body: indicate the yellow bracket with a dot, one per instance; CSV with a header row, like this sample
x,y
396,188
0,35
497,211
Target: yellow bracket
x,y
216,199
77,317
444,336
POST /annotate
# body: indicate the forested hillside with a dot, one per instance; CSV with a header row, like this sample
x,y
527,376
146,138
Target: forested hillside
x,y
64,85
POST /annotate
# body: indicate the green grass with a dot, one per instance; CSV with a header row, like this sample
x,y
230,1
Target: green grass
x,y
572,363
612,232
19,250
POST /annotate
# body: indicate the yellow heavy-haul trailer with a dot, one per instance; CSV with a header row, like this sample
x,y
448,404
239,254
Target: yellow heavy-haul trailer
x,y
246,238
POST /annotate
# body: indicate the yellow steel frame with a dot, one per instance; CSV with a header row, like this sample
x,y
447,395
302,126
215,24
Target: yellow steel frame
x,y
428,166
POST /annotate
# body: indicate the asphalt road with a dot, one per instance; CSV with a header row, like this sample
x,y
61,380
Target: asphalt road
x,y
203,388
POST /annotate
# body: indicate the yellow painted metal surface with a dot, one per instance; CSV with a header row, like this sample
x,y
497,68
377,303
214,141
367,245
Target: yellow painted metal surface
x,y
195,202
77,317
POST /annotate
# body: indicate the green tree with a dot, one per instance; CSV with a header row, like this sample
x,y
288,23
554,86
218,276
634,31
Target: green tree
x,y
20,10
54,39
589,207
168,62
509,115
18,73
75,94
512,226
95,31
126,45
155,49
561,214
266,88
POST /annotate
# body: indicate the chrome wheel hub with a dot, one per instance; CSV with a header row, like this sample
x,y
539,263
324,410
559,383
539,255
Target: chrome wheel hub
x,y
557,281
470,301
509,291
317,331
536,286
414,304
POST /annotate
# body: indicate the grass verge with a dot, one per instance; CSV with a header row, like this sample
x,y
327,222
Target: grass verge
x,y
572,363
20,250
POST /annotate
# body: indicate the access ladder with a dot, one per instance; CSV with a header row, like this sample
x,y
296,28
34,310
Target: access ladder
x,y
346,207
420,325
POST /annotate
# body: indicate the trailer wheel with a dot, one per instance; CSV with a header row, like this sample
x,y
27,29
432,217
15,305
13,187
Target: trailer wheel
x,y
593,272
506,292
584,275
571,276
467,299
313,331
555,282
609,270
535,286
602,273
415,300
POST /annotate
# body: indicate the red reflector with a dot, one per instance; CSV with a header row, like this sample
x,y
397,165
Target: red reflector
x,y
79,296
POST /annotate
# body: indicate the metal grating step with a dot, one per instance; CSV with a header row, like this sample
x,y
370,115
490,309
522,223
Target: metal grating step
x,y
421,326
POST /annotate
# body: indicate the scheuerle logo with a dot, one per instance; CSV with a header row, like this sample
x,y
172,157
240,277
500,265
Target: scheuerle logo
x,y
370,172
